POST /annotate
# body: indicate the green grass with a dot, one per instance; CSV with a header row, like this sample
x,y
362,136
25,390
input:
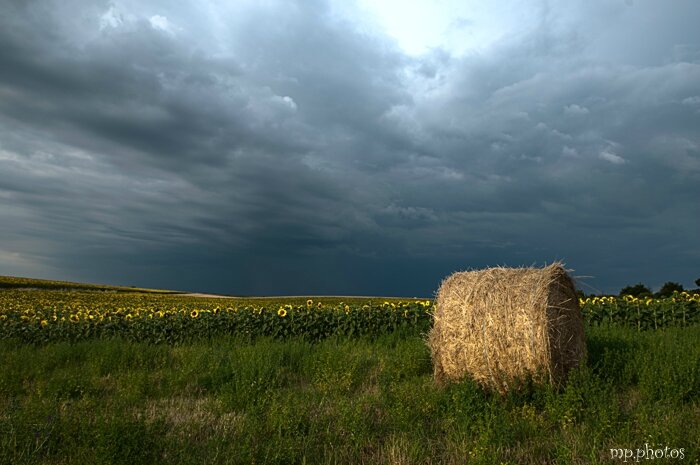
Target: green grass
x,y
344,401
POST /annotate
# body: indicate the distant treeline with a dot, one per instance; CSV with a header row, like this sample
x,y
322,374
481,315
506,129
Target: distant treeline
x,y
641,290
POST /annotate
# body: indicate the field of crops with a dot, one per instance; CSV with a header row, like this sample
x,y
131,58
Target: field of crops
x,y
96,374
679,310
16,282
74,315
43,316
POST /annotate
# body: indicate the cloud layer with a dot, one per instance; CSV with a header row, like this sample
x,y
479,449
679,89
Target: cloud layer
x,y
282,147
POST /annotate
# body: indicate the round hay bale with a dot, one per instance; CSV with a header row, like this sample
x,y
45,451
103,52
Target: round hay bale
x,y
502,326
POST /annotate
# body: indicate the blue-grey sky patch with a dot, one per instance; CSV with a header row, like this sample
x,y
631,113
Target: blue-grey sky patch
x,y
332,147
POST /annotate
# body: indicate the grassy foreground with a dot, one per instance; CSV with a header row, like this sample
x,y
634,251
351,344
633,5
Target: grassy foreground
x,y
341,400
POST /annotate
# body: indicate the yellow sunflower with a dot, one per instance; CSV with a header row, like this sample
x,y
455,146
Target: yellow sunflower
x,y
282,312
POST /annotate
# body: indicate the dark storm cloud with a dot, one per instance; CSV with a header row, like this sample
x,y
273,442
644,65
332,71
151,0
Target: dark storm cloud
x,y
262,148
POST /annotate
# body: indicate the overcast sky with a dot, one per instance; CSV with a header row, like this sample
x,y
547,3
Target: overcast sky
x,y
339,147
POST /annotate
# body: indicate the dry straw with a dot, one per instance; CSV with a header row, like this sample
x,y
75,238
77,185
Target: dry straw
x,y
502,326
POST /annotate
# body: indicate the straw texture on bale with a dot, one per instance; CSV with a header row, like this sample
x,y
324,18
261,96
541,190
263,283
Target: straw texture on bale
x,y
502,326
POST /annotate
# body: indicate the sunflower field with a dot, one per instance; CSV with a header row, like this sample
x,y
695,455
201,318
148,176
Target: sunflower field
x,y
44,316
679,310
41,315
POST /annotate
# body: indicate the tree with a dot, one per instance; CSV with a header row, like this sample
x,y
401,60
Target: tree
x,y
697,282
638,290
668,288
